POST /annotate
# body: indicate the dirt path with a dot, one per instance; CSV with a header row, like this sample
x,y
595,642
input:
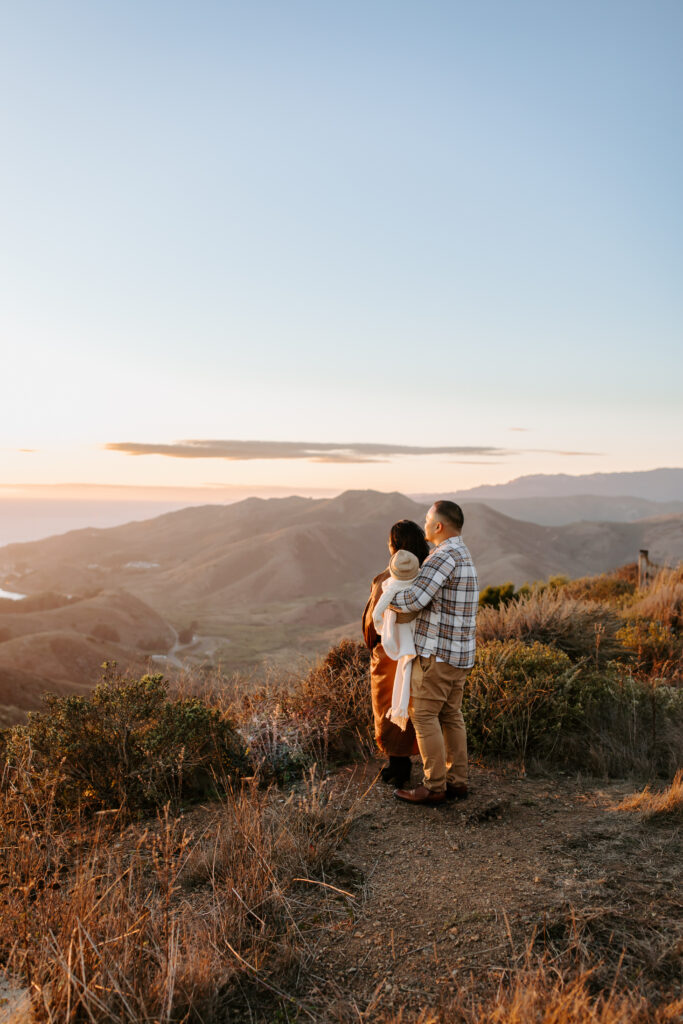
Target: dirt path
x,y
455,893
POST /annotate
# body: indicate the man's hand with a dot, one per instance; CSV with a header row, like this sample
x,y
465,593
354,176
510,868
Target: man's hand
x,y
405,616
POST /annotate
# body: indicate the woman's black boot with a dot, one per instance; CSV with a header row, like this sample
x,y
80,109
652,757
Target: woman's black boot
x,y
397,771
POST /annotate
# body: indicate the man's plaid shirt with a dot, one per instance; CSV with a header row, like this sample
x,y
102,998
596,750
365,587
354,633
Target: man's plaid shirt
x,y
446,594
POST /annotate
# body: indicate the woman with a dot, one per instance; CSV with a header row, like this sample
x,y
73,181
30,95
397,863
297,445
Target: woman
x,y
398,745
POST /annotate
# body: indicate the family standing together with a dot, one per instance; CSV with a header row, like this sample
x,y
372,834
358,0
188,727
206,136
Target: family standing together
x,y
420,621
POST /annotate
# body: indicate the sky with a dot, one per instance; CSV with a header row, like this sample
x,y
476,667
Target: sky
x,y
319,245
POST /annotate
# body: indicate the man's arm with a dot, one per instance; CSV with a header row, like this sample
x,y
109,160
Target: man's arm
x,y
431,578
406,616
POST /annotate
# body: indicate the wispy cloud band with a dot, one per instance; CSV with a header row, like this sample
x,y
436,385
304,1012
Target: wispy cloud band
x,y
313,451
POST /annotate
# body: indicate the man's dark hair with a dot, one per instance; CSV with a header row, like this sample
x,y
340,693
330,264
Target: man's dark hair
x,y
451,512
408,536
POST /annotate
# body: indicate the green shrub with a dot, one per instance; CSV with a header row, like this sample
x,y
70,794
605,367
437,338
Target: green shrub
x,y
493,597
126,744
623,724
518,698
529,702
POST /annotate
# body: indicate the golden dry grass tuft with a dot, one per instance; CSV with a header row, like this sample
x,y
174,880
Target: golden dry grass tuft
x,y
663,599
580,628
191,917
651,804
541,997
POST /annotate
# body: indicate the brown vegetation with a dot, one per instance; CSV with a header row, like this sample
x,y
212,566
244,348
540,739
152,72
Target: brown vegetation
x,y
178,854
189,917
580,628
668,801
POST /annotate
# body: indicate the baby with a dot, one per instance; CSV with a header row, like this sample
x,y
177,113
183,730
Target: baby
x,y
397,637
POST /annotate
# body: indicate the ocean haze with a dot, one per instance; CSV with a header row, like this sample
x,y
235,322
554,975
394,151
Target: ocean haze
x,y
33,519
33,512
36,512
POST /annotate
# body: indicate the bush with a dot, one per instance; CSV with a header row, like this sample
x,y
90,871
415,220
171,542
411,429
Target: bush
x,y
654,645
282,742
610,588
518,698
529,701
339,689
623,724
579,628
494,597
325,715
127,744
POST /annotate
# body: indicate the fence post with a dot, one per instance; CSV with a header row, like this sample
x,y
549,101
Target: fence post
x,y
643,565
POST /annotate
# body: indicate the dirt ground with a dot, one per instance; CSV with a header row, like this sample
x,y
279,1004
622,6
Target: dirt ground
x,y
422,901
458,894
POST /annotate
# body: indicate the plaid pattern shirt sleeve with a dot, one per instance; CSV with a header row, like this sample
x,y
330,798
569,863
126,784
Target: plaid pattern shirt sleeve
x,y
446,594
434,572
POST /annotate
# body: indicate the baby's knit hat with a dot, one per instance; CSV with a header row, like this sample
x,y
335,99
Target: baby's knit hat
x,y
404,565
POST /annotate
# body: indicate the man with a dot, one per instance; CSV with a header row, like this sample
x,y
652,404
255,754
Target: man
x,y
446,595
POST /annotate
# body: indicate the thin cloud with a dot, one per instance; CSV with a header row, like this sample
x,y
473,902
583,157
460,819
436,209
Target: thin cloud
x,y
241,451
519,430
312,451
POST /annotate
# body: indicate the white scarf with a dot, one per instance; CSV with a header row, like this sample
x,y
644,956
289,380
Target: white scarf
x,y
399,645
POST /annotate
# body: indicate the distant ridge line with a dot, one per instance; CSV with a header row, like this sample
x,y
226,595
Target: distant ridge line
x,y
665,484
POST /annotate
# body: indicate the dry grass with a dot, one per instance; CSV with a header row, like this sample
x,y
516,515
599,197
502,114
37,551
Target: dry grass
x,y
541,997
582,629
651,804
312,714
213,914
191,918
663,600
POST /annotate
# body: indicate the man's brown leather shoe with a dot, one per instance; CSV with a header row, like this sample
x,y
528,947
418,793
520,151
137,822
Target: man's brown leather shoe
x,y
420,795
456,792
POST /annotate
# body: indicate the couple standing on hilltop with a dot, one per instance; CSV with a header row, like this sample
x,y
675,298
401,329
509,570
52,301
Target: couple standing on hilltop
x,y
434,596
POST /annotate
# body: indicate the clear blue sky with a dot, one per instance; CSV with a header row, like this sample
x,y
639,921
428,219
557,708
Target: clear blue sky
x,y
391,222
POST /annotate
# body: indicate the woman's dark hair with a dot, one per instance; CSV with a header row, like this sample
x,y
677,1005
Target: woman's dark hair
x,y
408,536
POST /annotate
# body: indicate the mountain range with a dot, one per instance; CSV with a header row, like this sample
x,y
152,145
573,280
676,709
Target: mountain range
x,y
652,484
277,578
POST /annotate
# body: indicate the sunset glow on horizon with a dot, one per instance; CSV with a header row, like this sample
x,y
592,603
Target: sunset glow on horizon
x,y
450,233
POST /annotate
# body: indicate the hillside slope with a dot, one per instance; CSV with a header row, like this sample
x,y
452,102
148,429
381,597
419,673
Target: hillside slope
x,y
62,649
261,551
286,577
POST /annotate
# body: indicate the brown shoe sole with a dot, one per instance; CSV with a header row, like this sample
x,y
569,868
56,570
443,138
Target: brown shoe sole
x,y
425,801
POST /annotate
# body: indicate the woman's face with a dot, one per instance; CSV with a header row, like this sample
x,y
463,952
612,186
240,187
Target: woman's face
x,y
392,549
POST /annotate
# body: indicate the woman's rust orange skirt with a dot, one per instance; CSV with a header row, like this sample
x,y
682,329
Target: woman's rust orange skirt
x,y
391,740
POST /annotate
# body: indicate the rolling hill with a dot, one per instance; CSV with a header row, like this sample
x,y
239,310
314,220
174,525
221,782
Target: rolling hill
x,y
276,578
62,648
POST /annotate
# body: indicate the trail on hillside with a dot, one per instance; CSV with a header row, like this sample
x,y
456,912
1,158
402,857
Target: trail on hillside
x,y
458,894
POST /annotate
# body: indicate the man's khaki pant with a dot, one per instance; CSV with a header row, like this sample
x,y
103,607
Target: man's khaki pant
x,y
436,690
